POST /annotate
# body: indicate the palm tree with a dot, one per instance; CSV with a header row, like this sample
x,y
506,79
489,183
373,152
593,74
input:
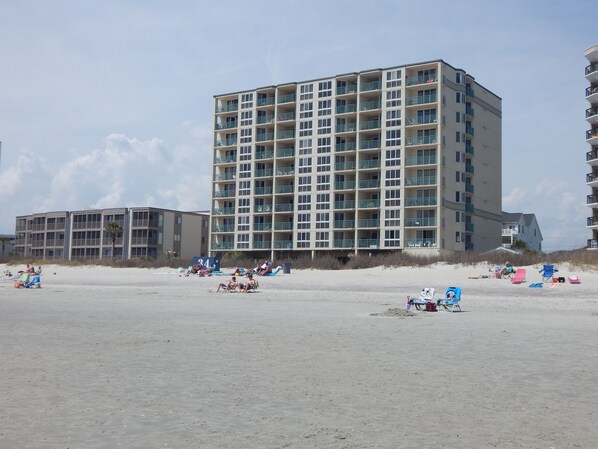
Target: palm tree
x,y
112,228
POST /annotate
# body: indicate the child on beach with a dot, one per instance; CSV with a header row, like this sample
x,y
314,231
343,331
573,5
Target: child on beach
x,y
232,285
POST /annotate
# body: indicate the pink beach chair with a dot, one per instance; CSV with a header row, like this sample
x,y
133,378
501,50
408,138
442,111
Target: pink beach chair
x,y
519,276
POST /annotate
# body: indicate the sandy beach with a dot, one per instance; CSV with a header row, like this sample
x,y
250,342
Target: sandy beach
x,y
142,358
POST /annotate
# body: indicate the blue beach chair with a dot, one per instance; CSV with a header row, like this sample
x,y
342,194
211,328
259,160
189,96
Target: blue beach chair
x,y
452,299
547,273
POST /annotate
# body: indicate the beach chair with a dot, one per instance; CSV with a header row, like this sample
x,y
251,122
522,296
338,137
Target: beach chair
x,y
452,299
547,272
426,296
519,276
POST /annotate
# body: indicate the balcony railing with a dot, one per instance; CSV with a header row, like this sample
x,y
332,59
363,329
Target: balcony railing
x,y
226,142
265,101
368,204
373,85
266,244
344,185
225,177
347,146
370,124
421,120
261,209
283,244
284,226
368,144
591,68
422,99
368,183
346,108
226,159
591,112
285,152
226,125
282,171
224,194
262,226
421,140
419,202
264,155
368,243
263,172
591,199
421,79
349,204
283,207
262,137
422,222
421,160
290,134
344,224
418,243
591,90
592,244
222,245
348,89
369,105
285,189
591,155
223,211
264,119
420,181
264,190
347,127
228,108
341,166
288,98
223,228
469,149
345,243
368,223
369,163
284,116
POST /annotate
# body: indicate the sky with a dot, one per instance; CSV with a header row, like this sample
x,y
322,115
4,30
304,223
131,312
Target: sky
x,y
110,104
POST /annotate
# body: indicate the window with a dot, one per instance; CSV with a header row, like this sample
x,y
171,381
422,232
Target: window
x,y
306,110
323,201
304,202
303,221
245,135
393,98
393,118
457,136
393,178
243,223
242,241
323,164
393,137
457,237
324,145
246,118
306,92
244,188
393,78
324,126
305,165
325,89
392,217
305,129
393,158
322,239
304,184
322,220
392,198
324,107
304,146
243,206
303,239
458,197
244,170
392,237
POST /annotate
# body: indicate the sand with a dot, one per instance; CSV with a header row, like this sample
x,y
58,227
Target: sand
x,y
137,358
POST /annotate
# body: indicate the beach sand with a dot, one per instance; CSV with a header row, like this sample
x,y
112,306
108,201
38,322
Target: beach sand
x,y
142,358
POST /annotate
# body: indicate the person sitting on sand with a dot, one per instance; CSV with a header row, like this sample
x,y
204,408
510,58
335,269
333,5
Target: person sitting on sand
x,y
251,284
232,285
508,270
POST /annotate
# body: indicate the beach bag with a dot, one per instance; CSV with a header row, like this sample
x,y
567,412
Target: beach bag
x,y
431,307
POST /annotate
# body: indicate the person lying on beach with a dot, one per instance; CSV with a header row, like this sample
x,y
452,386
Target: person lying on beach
x,y
232,285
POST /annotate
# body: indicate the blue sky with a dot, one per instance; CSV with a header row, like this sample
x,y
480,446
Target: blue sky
x,y
109,104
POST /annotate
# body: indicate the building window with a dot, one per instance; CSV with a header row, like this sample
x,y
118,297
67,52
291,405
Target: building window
x,y
306,92
303,239
322,220
322,239
305,165
393,158
393,78
324,145
324,107
323,165
393,99
392,198
392,237
304,184
325,89
243,206
393,118
305,128
246,118
305,146
392,217
323,201
393,178
304,202
303,221
306,110
393,137
324,126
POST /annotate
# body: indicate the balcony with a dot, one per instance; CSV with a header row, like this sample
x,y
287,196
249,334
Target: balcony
x,y
421,160
283,207
226,160
285,171
469,110
369,124
224,194
349,204
366,87
469,91
469,149
420,202
346,108
265,244
368,204
346,128
368,243
368,223
592,94
225,177
284,116
223,228
264,101
592,157
290,188
469,131
469,168
223,211
468,227
369,144
421,120
592,73
263,137
264,155
420,181
283,244
592,199
284,226
369,163
421,140
369,184
347,146
469,207
421,79
226,125
422,99
262,226
227,108
592,244
345,243
592,115
346,90
592,136
344,224
592,179
344,185
285,152
266,172
468,187
420,222
287,98
290,134
261,119
263,190
262,209
227,142
222,245
344,166
369,105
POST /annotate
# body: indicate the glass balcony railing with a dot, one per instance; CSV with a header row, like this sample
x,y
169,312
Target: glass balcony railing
x,y
469,92
369,105
285,152
420,181
228,108
225,177
226,125
344,243
261,137
469,149
420,222
348,89
265,101
423,120
265,244
222,245
264,155
346,109
223,211
419,202
284,226
368,204
262,208
368,183
368,223
283,244
591,155
284,116
263,190
368,243
346,128
263,172
373,85
368,144
288,98
468,207
469,188
285,189
225,160
421,79
264,119
262,226
226,142
283,207
223,228
421,140
469,168
591,112
369,124
344,185
369,163
348,146
349,204
281,171
340,166
422,99
421,160
290,134
419,243
469,227
224,194
344,224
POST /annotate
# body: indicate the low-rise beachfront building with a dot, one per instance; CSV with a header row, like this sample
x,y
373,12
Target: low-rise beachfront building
x,y
141,232
406,158
523,227
592,139
7,244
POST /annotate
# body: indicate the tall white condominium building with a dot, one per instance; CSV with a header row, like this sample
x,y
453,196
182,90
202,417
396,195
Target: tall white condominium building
x,y
406,158
592,139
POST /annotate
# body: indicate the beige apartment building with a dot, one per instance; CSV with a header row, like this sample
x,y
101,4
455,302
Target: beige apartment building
x,y
147,232
406,158
592,140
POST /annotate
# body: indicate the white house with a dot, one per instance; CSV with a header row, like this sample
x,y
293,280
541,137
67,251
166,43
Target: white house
x,y
524,227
